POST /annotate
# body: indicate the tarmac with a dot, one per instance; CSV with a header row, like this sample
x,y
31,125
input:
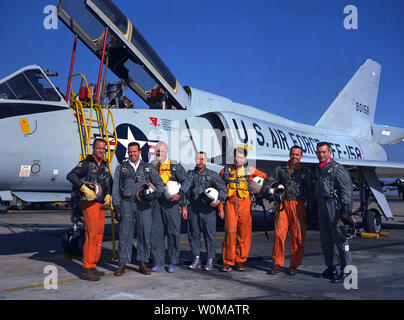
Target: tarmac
x,y
33,266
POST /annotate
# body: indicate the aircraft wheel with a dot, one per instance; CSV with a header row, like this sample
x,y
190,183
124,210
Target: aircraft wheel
x,y
77,242
20,204
373,221
73,242
66,241
4,206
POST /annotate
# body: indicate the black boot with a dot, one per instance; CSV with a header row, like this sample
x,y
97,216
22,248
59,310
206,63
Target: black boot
x,y
330,273
340,278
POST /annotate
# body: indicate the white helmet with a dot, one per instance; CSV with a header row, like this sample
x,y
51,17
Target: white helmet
x,y
276,191
255,185
209,195
276,187
172,187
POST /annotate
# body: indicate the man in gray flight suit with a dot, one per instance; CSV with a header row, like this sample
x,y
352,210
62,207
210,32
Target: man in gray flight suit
x,y
129,180
166,213
334,195
201,214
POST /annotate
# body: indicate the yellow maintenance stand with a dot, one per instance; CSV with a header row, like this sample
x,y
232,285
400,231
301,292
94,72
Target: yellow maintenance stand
x,y
94,121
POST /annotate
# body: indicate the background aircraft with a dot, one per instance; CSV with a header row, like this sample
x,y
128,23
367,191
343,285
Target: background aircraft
x,y
183,116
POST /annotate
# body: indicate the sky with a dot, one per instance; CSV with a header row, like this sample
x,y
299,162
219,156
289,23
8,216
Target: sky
x,y
287,57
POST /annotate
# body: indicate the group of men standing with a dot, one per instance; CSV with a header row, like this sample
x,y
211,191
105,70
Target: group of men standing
x,y
139,193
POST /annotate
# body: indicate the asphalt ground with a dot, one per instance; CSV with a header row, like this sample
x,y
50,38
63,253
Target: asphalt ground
x,y
33,266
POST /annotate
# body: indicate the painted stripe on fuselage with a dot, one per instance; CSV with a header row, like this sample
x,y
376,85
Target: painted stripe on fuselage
x,y
8,110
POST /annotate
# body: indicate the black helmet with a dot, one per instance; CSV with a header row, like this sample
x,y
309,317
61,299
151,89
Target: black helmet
x,y
346,228
145,193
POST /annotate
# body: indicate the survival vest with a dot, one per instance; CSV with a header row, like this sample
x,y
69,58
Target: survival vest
x,y
167,171
237,181
325,180
130,181
200,182
295,183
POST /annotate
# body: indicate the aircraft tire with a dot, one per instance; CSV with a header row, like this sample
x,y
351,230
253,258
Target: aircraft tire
x,y
4,206
66,241
77,242
373,221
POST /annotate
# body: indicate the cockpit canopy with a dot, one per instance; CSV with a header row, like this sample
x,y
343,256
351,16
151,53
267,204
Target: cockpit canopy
x,y
29,83
130,56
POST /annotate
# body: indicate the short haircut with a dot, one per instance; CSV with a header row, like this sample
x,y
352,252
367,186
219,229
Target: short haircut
x,y
322,144
134,144
98,140
201,152
296,147
241,151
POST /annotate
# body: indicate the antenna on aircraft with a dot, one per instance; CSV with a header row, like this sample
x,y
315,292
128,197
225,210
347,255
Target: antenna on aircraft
x,y
50,73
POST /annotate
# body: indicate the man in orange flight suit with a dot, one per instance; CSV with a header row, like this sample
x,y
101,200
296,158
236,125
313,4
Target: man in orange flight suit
x,y
237,210
93,169
298,182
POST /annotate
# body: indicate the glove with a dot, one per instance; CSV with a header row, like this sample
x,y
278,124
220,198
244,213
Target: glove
x,y
89,194
107,201
118,214
344,213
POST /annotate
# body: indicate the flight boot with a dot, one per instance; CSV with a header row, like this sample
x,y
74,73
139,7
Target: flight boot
x,y
98,272
89,275
330,273
196,263
121,270
340,278
275,270
172,268
209,265
144,269
157,268
239,266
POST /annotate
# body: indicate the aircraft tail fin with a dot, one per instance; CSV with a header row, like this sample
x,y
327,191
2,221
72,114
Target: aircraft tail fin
x,y
353,110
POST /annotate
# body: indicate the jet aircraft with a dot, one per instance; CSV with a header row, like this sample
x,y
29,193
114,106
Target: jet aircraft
x,y
43,140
